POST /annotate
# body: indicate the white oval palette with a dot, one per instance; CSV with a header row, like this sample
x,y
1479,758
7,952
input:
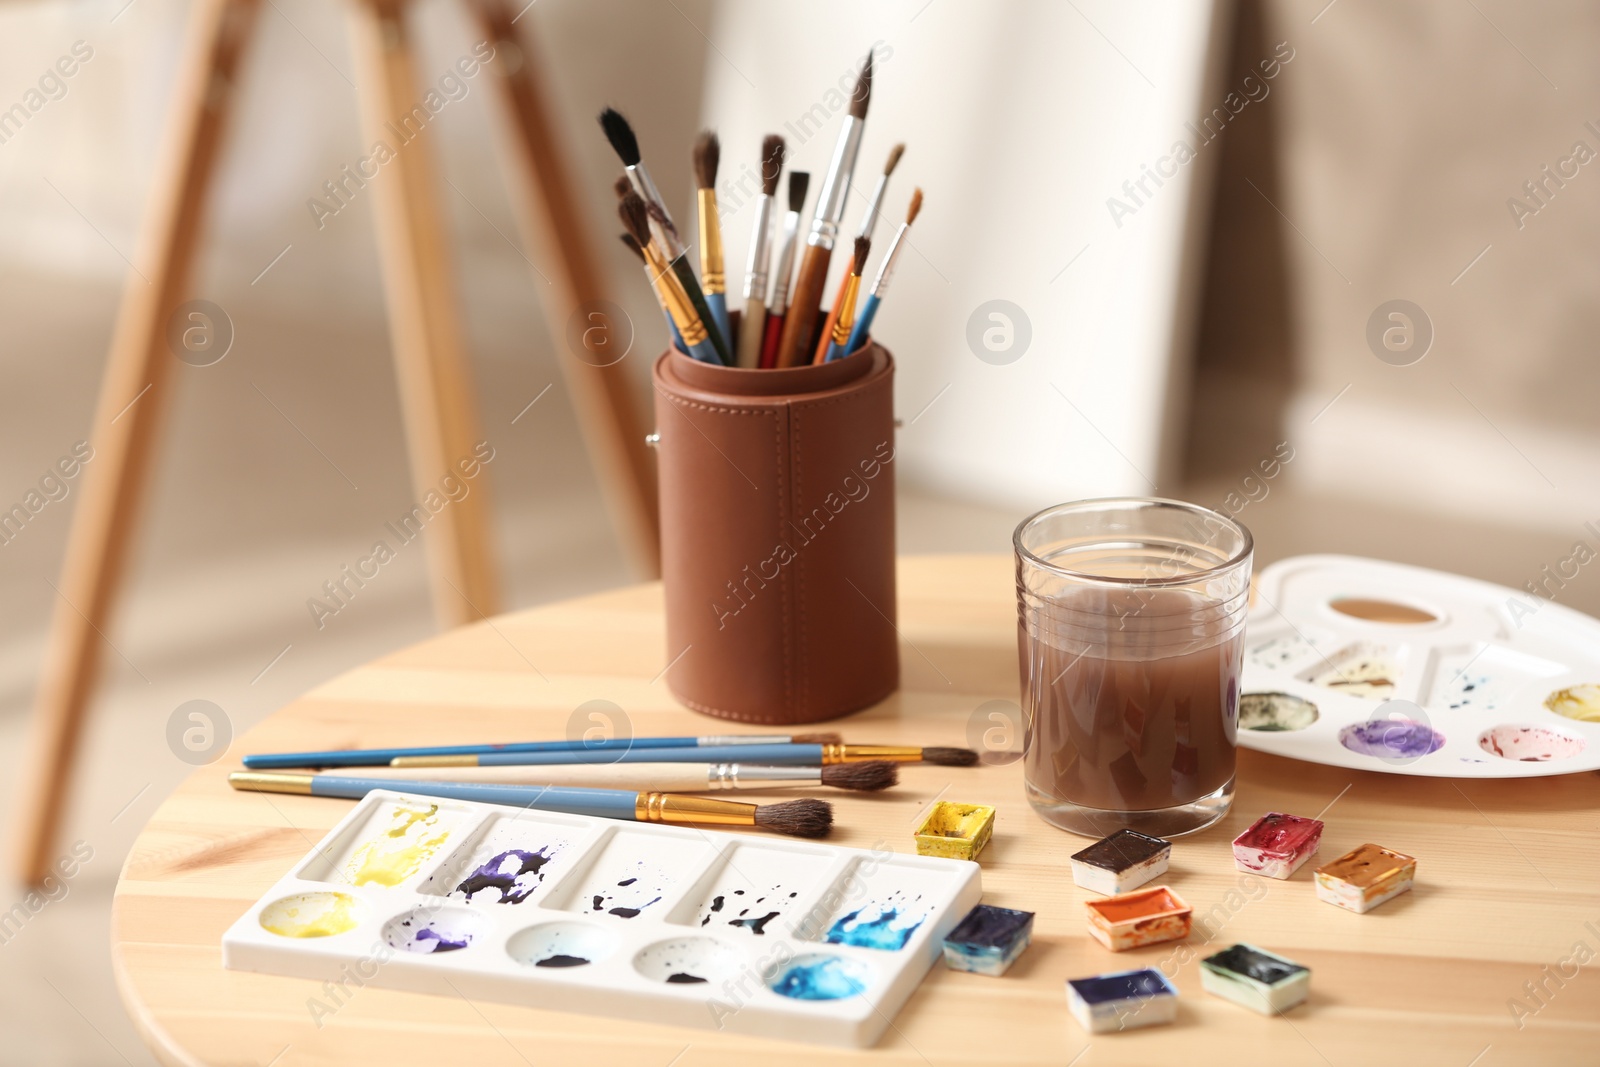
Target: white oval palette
x,y
1384,667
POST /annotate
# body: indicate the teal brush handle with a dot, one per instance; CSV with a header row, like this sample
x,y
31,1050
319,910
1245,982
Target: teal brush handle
x,y
691,286
603,803
863,326
718,303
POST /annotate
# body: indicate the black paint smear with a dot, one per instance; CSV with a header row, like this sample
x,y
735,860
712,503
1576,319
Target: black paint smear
x,y
705,920
756,925
492,876
745,912
628,881
681,978
562,961
716,903
738,892
599,901
628,913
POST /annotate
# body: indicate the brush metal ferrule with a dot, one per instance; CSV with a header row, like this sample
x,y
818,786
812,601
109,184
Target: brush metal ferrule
x,y
784,271
890,258
755,267
676,808
833,753
710,740
668,234
869,221
830,202
259,782
721,776
434,761
712,277
674,297
847,310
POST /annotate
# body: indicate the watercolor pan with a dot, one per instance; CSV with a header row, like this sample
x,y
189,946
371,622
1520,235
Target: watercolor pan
x,y
1143,917
1379,666
956,831
988,940
1125,860
1125,1000
1365,877
613,918
1256,979
1277,845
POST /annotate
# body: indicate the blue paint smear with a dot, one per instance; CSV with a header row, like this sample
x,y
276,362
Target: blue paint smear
x,y
824,979
987,926
1124,985
879,933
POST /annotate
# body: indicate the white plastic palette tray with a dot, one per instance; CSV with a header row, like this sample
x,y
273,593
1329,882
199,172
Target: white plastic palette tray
x,y
1468,690
744,933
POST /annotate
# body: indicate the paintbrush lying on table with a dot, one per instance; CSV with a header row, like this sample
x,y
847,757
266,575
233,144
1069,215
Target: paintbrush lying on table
x,y
869,777
380,757
806,817
774,755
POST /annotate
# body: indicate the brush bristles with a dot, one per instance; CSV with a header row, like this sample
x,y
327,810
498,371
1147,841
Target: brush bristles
x,y
659,213
622,186
771,163
862,95
799,182
807,817
868,777
620,134
826,738
635,217
707,158
859,264
894,158
916,206
950,757
633,246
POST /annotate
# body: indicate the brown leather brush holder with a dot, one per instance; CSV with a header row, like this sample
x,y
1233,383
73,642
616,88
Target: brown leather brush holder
x,y
777,536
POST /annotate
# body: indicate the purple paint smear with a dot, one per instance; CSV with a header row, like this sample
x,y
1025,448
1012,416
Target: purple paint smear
x,y
1388,738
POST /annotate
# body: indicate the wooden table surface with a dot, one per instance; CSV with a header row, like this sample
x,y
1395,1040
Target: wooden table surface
x,y
1507,893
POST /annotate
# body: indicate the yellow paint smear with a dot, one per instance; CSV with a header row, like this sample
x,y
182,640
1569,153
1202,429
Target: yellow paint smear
x,y
319,915
399,852
1580,702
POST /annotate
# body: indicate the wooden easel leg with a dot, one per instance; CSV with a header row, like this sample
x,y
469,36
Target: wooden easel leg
x,y
435,383
554,233
132,394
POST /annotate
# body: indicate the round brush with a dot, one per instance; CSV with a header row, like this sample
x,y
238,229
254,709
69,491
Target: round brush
x,y
752,329
778,305
845,320
869,777
863,327
713,279
777,755
636,218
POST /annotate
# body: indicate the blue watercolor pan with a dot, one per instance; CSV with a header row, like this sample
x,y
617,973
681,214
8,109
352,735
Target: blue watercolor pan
x,y
988,940
1123,1000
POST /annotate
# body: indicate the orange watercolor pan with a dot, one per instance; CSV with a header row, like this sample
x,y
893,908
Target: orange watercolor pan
x,y
1143,917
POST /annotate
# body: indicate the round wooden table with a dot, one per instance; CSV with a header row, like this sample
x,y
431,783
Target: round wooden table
x,y
1507,893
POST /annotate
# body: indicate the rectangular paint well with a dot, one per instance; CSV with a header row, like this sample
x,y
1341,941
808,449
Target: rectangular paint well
x,y
875,905
988,940
955,831
1256,979
1125,860
633,872
510,859
1124,1000
1143,917
1365,877
1276,845
394,846
754,891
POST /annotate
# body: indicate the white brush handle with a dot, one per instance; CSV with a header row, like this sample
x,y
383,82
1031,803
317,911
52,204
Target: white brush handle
x,y
649,777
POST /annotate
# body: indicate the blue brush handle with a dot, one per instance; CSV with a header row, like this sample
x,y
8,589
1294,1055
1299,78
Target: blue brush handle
x,y
380,757
863,327
705,352
771,755
677,336
604,803
718,303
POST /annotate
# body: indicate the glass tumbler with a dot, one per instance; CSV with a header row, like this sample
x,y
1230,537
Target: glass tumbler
x,y
1130,638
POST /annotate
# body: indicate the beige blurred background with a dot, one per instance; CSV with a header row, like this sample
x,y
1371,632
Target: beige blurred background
x,y
1379,167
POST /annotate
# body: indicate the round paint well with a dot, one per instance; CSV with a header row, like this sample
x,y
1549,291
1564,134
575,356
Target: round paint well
x,y
1391,739
1580,702
1275,712
822,977
558,945
690,961
313,915
1529,744
433,930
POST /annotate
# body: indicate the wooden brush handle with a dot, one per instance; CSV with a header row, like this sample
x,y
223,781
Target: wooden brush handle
x,y
795,347
751,327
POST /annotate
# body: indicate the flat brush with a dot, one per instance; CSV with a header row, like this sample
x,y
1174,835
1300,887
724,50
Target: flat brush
x,y
869,221
669,291
806,817
677,338
623,141
846,309
773,755
799,326
752,328
867,777
380,757
713,278
799,182
880,285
